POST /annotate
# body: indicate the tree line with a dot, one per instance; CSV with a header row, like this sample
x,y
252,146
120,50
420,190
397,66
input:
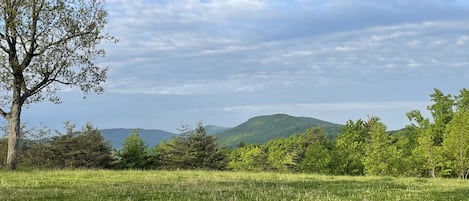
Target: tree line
x,y
437,146
427,147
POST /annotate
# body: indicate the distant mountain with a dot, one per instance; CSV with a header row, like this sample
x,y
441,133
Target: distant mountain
x,y
211,129
259,130
151,137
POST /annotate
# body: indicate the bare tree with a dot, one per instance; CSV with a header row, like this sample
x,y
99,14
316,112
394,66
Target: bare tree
x,y
44,46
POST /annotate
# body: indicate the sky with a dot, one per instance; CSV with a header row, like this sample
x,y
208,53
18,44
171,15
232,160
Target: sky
x,y
224,61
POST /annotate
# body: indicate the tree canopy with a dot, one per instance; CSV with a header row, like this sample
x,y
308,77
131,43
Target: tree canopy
x,y
44,45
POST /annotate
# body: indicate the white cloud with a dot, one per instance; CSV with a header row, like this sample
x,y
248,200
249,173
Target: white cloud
x,y
340,106
343,48
261,53
462,40
195,47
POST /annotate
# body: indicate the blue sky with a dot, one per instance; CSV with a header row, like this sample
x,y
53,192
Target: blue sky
x,y
224,61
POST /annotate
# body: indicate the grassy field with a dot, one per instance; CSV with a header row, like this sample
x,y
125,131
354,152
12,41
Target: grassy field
x,y
92,185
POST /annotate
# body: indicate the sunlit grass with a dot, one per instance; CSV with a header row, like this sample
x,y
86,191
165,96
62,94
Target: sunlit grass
x,y
204,185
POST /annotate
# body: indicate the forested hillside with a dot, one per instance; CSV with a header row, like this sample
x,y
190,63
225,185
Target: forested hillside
x,y
213,130
259,130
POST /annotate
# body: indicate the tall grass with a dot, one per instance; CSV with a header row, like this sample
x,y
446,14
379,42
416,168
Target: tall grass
x,y
203,185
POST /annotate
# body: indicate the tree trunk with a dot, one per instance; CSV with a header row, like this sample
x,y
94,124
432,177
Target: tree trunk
x,y
13,135
433,172
432,163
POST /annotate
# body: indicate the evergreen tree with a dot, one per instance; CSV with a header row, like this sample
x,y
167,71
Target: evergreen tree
x,y
192,150
73,149
134,152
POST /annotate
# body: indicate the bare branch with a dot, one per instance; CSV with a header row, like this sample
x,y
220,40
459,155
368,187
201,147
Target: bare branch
x,y
3,113
2,37
32,46
63,40
62,82
4,49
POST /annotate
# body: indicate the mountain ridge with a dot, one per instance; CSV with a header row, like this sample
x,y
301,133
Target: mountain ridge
x,y
256,130
260,129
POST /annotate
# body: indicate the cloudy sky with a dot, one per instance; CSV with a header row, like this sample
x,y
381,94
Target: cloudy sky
x,y
224,61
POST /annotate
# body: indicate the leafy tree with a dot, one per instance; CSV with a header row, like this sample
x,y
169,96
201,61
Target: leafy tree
x,y
134,152
442,113
308,152
316,151
283,153
405,141
380,156
431,134
45,44
247,158
317,159
456,144
426,153
349,148
462,101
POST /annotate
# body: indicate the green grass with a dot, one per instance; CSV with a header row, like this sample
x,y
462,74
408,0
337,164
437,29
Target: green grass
x,y
202,185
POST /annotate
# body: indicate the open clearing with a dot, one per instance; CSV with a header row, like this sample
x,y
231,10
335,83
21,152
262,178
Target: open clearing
x,y
205,185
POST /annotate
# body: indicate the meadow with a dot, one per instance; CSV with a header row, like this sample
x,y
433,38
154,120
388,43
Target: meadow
x,y
211,185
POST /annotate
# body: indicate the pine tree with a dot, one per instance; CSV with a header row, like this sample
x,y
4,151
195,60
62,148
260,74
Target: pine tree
x,y
134,152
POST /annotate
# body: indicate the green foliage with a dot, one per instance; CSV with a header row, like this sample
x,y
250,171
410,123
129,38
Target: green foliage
x,y
428,147
350,148
74,149
306,152
134,153
192,150
318,159
442,113
261,129
283,153
405,141
247,158
44,46
381,155
315,154
440,144
456,144
3,150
